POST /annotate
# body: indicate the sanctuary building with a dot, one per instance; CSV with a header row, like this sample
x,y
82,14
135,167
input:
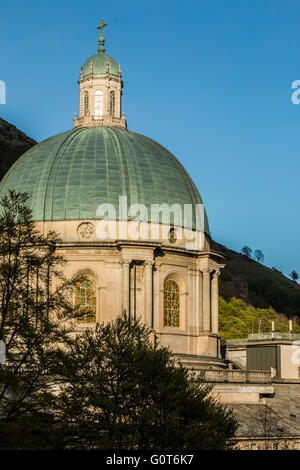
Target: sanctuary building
x,y
130,217
132,220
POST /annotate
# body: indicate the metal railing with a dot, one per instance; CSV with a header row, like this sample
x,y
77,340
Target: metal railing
x,y
274,335
263,336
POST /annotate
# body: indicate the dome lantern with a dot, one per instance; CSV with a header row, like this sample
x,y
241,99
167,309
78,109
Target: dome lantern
x,y
100,90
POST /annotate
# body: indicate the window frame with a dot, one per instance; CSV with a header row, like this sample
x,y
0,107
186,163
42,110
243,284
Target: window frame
x,y
98,104
112,103
168,317
86,102
79,287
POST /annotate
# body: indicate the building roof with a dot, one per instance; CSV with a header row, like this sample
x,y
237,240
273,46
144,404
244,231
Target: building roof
x,y
254,418
69,175
99,65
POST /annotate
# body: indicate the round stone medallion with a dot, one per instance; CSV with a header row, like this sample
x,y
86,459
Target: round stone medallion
x,y
172,235
86,230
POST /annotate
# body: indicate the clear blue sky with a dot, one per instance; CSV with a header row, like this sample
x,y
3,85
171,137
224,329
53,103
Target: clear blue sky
x,y
210,80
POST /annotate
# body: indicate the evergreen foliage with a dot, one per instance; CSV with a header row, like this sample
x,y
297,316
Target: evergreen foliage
x,y
36,306
237,320
124,392
256,284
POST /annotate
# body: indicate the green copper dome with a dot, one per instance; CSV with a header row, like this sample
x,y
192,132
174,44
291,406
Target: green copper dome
x,y
99,64
69,175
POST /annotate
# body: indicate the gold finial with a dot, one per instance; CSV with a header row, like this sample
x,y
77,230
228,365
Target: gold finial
x,y
101,37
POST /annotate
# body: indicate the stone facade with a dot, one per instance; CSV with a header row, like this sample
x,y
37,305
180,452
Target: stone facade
x,y
131,275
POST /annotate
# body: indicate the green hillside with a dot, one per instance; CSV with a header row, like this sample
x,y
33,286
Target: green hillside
x,y
257,285
238,320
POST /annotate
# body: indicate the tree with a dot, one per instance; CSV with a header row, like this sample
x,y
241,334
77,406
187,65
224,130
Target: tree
x,y
259,256
35,310
238,319
246,251
294,276
267,426
124,392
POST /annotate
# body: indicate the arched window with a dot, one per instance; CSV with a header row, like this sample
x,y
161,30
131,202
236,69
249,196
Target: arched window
x,y
171,303
86,103
98,104
112,103
85,296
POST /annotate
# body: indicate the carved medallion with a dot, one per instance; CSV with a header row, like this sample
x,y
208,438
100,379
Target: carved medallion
x,y
172,235
86,230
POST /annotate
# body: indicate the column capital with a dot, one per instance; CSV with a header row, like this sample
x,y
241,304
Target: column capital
x,y
216,274
125,262
148,263
206,271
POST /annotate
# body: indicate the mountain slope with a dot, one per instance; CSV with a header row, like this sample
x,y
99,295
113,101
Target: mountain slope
x,y
256,284
13,143
238,319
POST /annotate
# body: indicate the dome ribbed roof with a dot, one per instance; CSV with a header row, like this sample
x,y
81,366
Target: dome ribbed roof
x,y
99,64
69,175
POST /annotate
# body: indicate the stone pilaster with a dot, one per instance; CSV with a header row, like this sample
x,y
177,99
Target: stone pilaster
x,y
148,292
215,302
156,306
206,321
192,309
197,297
125,285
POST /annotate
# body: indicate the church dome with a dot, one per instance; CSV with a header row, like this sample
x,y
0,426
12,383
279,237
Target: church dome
x,y
98,63
69,175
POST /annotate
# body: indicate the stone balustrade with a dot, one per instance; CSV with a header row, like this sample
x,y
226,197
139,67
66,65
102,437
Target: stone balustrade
x,y
107,120
235,376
